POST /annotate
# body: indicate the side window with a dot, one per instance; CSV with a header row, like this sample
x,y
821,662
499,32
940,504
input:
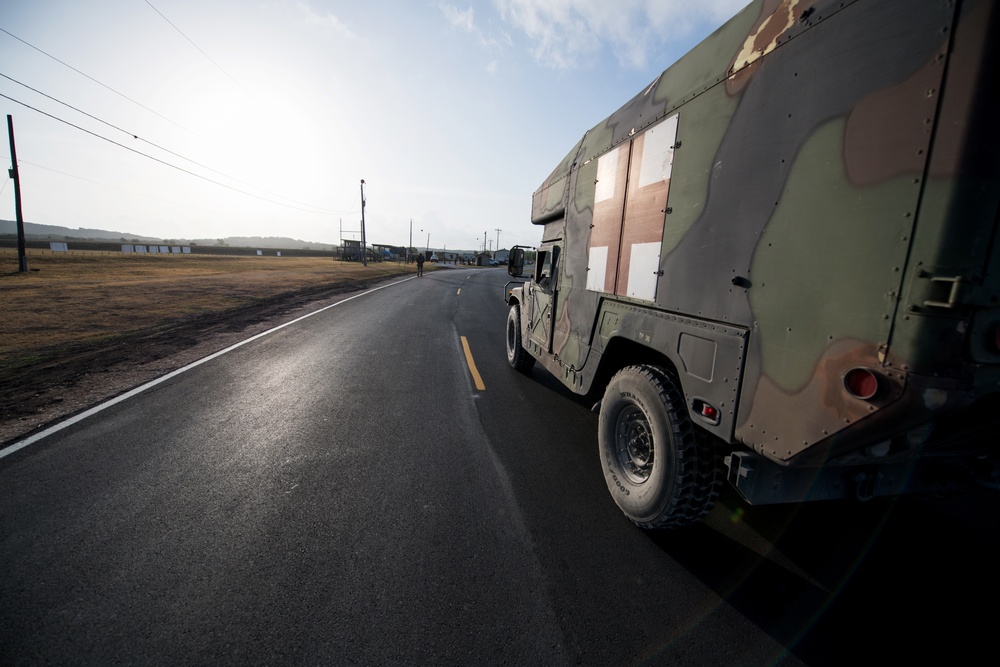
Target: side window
x,y
543,266
547,268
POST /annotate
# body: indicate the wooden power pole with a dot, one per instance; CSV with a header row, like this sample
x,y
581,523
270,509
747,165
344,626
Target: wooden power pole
x,y
364,243
22,255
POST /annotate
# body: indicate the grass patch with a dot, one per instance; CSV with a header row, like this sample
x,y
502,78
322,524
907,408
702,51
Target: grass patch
x,y
66,301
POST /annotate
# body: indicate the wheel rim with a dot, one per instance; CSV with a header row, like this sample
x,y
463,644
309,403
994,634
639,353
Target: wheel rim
x,y
634,444
510,338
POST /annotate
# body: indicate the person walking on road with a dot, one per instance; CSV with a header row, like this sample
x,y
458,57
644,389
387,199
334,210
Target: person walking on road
x,y
420,264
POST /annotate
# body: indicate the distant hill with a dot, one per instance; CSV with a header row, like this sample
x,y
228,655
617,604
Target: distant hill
x,y
36,231
278,242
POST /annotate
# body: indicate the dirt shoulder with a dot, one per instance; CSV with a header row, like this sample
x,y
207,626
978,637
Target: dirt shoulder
x,y
81,376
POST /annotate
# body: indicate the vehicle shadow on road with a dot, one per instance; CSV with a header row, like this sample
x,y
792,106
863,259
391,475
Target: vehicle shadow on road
x,y
888,579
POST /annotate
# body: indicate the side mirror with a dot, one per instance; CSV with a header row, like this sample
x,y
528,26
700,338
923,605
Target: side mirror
x,y
515,262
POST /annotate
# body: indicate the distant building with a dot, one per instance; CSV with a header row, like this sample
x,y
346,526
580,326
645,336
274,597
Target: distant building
x,y
352,250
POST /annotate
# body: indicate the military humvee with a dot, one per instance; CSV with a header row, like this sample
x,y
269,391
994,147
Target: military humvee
x,y
778,263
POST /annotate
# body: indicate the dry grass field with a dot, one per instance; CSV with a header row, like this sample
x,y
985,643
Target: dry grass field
x,y
65,300
73,316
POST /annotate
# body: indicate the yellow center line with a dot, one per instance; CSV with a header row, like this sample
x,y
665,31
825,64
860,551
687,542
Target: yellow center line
x,y
472,366
459,290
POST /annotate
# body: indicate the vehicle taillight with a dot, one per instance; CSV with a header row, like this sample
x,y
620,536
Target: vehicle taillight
x,y
861,383
706,411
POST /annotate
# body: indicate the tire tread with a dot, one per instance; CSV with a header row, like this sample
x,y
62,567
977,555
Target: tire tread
x,y
519,358
698,470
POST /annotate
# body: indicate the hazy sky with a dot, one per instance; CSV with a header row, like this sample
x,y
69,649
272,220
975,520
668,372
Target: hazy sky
x,y
452,113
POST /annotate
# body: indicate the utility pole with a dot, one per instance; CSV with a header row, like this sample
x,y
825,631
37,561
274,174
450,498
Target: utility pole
x,y
498,238
411,242
484,241
364,245
22,255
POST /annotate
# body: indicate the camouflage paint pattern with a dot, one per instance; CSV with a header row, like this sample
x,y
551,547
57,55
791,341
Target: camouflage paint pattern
x,y
812,189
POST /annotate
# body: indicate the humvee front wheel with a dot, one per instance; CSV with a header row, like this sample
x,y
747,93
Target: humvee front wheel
x,y
659,471
517,356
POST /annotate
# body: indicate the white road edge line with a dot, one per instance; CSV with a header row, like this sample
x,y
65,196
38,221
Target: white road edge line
x,y
30,440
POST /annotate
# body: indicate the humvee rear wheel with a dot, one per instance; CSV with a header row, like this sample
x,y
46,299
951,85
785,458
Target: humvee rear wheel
x,y
517,356
661,472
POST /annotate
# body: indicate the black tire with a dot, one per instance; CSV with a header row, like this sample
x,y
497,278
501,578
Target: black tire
x,y
660,469
517,356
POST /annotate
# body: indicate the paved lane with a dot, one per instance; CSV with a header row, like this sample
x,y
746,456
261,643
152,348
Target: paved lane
x,y
340,492
321,495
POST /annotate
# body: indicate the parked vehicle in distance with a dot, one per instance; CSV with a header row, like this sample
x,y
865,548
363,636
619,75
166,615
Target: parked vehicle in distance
x,y
778,264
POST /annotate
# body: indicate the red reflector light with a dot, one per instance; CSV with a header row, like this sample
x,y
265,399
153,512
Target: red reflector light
x,y
861,383
708,412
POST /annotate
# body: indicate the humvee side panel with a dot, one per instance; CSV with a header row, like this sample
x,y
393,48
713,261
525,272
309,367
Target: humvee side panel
x,y
796,223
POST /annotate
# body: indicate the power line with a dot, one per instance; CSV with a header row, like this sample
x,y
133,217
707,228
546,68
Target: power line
x,y
113,187
166,150
99,120
197,47
163,162
98,82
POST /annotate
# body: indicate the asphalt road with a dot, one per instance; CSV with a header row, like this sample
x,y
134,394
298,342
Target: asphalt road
x,y
340,492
